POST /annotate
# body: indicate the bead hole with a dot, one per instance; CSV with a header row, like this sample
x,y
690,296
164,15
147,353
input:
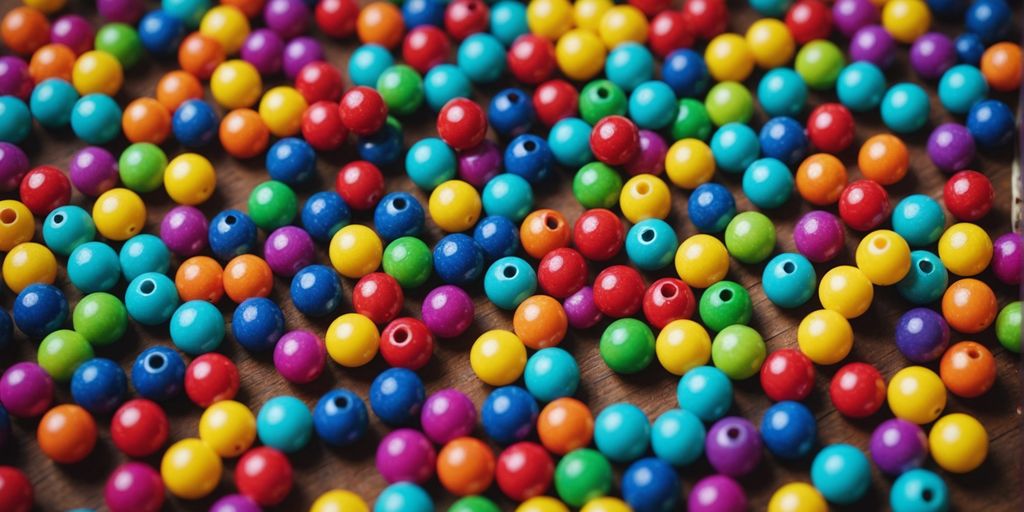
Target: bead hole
x,y
925,266
973,354
8,216
927,495
147,287
732,433
509,272
58,219
725,295
156,361
602,93
647,235
880,243
643,189
513,97
788,267
552,222
668,290
530,145
401,336
400,203
341,402
230,220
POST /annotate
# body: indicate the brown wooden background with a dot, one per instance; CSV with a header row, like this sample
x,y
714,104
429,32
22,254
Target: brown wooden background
x,y
318,468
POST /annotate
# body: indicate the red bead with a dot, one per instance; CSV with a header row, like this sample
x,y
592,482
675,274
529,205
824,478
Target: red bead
x,y
318,81
15,490
363,110
322,127
360,184
464,18
407,343
337,18
968,195
425,47
598,234
524,471
619,291
45,188
669,32
706,18
378,296
562,272
614,140
830,127
809,20
787,374
264,475
462,123
666,300
555,100
211,378
531,59
139,428
864,205
857,390
651,7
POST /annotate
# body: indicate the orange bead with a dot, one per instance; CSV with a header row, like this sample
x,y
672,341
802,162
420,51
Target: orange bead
x,y
969,306
51,61
146,120
1001,65
251,8
820,179
564,425
176,88
24,30
465,466
380,23
200,55
200,278
968,369
243,133
883,158
247,276
540,322
544,231
66,434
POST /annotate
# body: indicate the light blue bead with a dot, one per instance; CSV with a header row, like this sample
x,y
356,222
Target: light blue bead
x,y
93,267
67,227
905,108
482,58
151,298
768,183
144,253
841,473
651,244
197,327
508,195
96,119
860,86
919,490
622,432
926,281
789,280
15,120
367,63
429,163
508,21
919,220
652,105
782,92
629,65
551,373
706,392
403,497
284,423
52,102
677,437
509,281
962,86
444,83
735,146
569,140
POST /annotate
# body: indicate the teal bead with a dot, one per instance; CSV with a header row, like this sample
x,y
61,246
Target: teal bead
x,y
651,244
927,279
284,423
919,490
735,146
367,63
151,298
408,260
93,267
142,254
860,86
551,373
750,237
508,195
509,281
789,280
652,105
481,57
508,21
905,108
15,120
961,87
677,437
768,183
627,345
444,83
629,65
841,473
197,327
782,92
96,119
622,432
430,162
67,227
705,391
723,304
569,140
52,101
919,220
403,497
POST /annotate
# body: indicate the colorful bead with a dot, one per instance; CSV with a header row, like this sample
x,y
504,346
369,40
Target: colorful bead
x,y
958,443
916,394
797,496
1008,327
968,369
599,234
210,378
551,373
968,195
582,475
190,469
509,281
340,417
841,473
717,493
158,373
99,385
405,455
508,414
919,489
66,434
733,446
228,427
898,446
666,300
498,357
825,336
64,229
723,304
134,486
26,390
396,396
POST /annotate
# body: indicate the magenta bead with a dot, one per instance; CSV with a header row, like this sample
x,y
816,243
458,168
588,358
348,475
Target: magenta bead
x,y
447,311
299,356
850,16
14,77
819,236
13,166
951,147
1008,257
733,446
122,11
264,49
479,164
717,493
581,309
932,54
184,230
235,503
73,31
26,390
93,171
897,446
447,414
134,487
651,157
299,52
405,455
873,44
289,18
288,249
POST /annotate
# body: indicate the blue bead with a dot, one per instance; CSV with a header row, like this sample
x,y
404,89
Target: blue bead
x,y
284,423
151,298
927,279
188,11
652,105
677,437
783,138
232,233
711,207
316,290
96,119
841,473
15,120
651,244
52,101
417,13
482,58
444,83
396,396
6,332
322,216
768,183
919,490
67,227
622,432
458,259
257,324
99,385
508,195
990,19
948,9
551,373
39,309
686,73
651,485
398,214
509,281
782,92
860,86
340,417
788,430
291,160
367,63
905,108
529,157
160,33
991,123
629,65
789,280
706,392
197,327
497,236
508,21
158,374
569,140
511,112
93,267
383,148
5,428
969,48
735,147
429,163
961,87
194,123
509,414
403,497
919,220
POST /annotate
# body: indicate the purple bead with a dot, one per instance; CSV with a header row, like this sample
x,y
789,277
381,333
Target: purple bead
x,y
447,414
1007,258
288,249
26,390
932,54
581,309
73,31
299,356
93,171
922,335
873,44
299,52
651,158
289,18
852,15
184,230
13,166
447,311
478,165
951,147
898,446
264,49
717,493
405,455
819,236
235,503
733,446
14,77
123,11
133,487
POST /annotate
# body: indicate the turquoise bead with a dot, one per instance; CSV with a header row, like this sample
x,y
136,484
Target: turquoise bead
x,y
706,392
782,92
15,120
677,437
551,373
142,254
919,490
622,432
509,281
735,146
67,227
927,279
197,327
629,65
860,86
93,267
768,183
403,497
151,298
841,473
652,105
481,57
367,63
919,220
960,87
430,162
789,280
905,108
444,83
284,423
651,244
508,195
569,140
52,101
508,21
96,119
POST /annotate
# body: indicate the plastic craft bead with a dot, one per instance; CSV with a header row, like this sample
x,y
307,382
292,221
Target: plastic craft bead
x,y
841,473
407,343
951,147
26,390
968,195
93,267
1008,327
898,446
717,493
551,373
99,385
667,300
61,352
509,281
134,486
565,425
405,455
958,443
711,207
916,394
352,340
797,496
820,179
825,336
968,369
508,414
119,214
733,446
190,469
158,373
465,466
782,92
498,357
66,434
788,430
787,374
750,237
919,489
396,396
918,219
228,427
622,432
457,259
857,390
39,309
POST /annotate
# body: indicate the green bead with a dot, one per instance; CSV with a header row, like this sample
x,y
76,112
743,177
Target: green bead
x,y
819,63
738,351
474,504
141,167
402,89
729,102
596,185
272,204
692,121
1008,327
100,318
62,352
602,98
750,237
627,345
408,260
121,41
581,476
723,304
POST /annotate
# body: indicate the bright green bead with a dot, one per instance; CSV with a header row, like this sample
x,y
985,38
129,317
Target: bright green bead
x,y
141,167
750,237
581,476
723,304
272,204
474,504
819,63
100,318
738,351
408,260
121,41
602,98
62,352
729,102
627,345
1008,327
402,89
692,121
596,185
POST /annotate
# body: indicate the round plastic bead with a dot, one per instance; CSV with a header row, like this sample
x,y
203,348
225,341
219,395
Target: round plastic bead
x,y
284,423
622,432
61,352
968,369
210,378
524,471
627,346
340,417
734,146
551,373
1008,327
407,259
905,107
39,309
919,489
898,446
407,455
965,249
352,340
958,443
66,434
119,214
988,122
99,385
26,389
927,279
789,280
151,298
717,493
134,486
860,86
916,394
825,336
797,496
508,414
968,195
750,237
733,446
93,267
846,290
498,357
396,396
788,430
701,261
582,475
841,473
465,466
857,390
729,102
565,425
711,207
782,92
228,427
509,281
918,219
190,469
951,147
158,373
447,311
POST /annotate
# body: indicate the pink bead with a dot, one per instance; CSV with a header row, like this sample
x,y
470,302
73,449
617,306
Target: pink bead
x,y
26,390
447,414
299,356
406,455
651,158
288,250
581,309
73,31
479,164
1008,257
447,311
184,230
819,236
134,487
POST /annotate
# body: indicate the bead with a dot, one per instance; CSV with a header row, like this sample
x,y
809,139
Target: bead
x,y
968,195
596,185
857,390
783,138
39,309
750,237
711,207
211,378
184,230
788,430
404,496
338,499
918,219
151,298
458,259
682,345
498,357
770,42
134,486
581,310
723,304
735,146
540,322
316,290
951,147
398,214
17,119
454,206
729,102
958,443
158,373
819,236
841,473
717,493
961,87
299,356
789,280
884,257
99,385
323,214
987,122
497,236
190,469
677,437
733,446
26,390
965,249
706,392
550,374
916,394
264,475
846,290
618,291
355,251
405,455
797,496
968,369
738,351
701,261
228,427
782,92
627,345
247,276
197,327
905,107
645,196
825,336
787,374
62,352
922,335
809,20
13,166
352,340
284,423
51,103
1001,66
860,87
1008,327
465,466
119,214
906,20
508,414
819,63
396,396
919,489
66,434
17,226
622,432
407,343
582,475
447,311
898,446
340,417
689,163
568,139
43,189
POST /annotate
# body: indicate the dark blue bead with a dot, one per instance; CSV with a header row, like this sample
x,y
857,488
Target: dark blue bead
x,y
784,139
396,396
340,417
383,148
398,214
5,428
990,19
39,310
788,430
529,157
922,335
257,324
651,485
511,112
991,123
291,160
458,259
497,236
6,330
232,233
423,12
711,207
969,48
160,32
508,414
686,73
158,374
99,385
316,290
195,123
324,214
948,9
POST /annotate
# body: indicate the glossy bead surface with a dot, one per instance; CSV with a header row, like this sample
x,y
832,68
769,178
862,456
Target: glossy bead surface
x,y
916,394
711,207
863,205
825,336
922,335
582,475
788,430
64,229
158,374
29,263
228,427
789,280
666,300
958,443
508,414
61,352
701,261
190,469
750,237
733,446
498,357
897,446
857,390
509,281
66,434
99,385
396,396
458,259
723,304
622,432
139,428
39,309
134,486
968,195
26,390
968,369
405,455
787,374
618,291
705,391
550,374
918,219
340,417
717,493
919,489
846,290
211,378
819,236
598,234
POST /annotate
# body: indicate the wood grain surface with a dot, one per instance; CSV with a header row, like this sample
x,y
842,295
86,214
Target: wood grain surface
x,y
995,486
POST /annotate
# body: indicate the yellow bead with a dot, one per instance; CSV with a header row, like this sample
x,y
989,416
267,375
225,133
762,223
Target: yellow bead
x,y
906,20
190,179
97,72
498,357
227,25
542,504
958,443
702,261
606,504
228,427
17,225
884,257
825,337
683,345
916,394
728,57
190,469
355,251
29,263
455,206
580,54
689,163
119,214
549,18
797,497
352,340
965,249
338,500
281,110
622,23
645,196
846,290
236,84
46,6
588,13
770,43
